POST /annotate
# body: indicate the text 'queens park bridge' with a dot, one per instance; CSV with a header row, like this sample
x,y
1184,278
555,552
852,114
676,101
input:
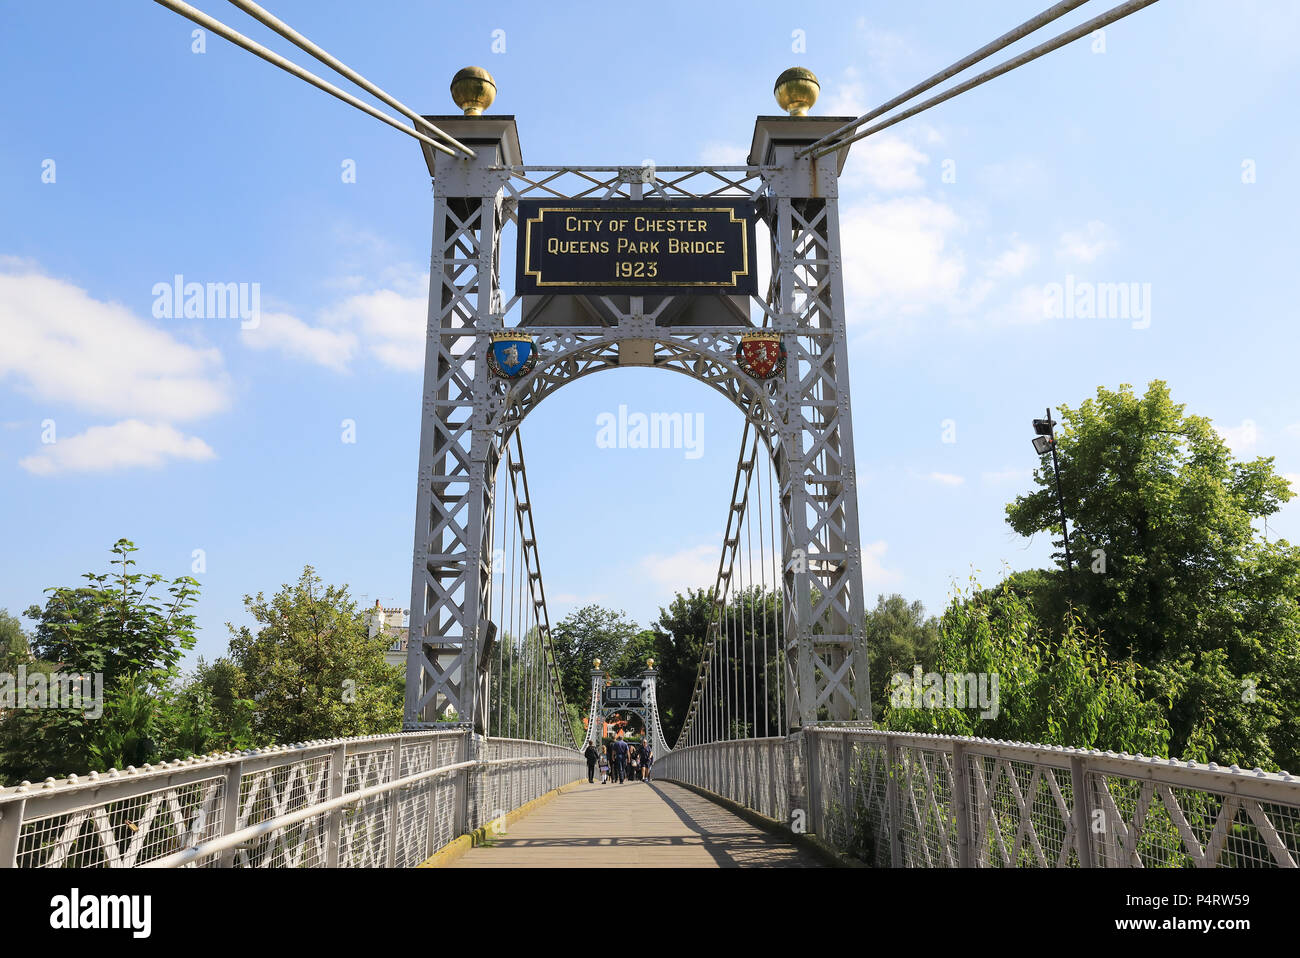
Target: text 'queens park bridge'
x,y
652,267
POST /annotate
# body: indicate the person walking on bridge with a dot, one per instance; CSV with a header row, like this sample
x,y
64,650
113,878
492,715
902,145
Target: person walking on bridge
x,y
647,757
611,757
591,755
619,764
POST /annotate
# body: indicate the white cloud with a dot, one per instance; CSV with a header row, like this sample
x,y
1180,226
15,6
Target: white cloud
x,y
847,97
946,478
1012,261
1240,439
884,162
390,323
62,345
688,568
1293,429
899,257
387,321
1027,305
874,573
890,55
123,445
1085,245
292,336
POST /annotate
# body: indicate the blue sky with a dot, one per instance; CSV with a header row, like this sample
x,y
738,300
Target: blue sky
x,y
1119,166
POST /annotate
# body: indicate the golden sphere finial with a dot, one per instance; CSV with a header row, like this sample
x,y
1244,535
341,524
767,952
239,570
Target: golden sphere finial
x,y
597,664
650,663
796,90
473,90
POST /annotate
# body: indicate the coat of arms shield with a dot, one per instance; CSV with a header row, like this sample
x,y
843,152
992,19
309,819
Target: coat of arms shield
x,y
511,354
761,355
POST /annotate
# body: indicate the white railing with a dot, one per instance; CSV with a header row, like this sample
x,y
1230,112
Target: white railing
x,y
375,801
912,800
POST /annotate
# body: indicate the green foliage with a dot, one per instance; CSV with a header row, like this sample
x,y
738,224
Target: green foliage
x,y
899,636
1188,590
311,667
583,636
631,660
749,652
1052,688
120,627
680,634
125,734
15,644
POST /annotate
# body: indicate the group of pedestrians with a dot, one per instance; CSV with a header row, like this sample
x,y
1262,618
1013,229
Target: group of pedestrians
x,y
622,761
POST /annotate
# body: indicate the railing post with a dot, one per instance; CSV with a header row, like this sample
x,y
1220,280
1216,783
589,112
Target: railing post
x,y
961,797
771,779
230,810
846,785
338,779
891,791
394,803
468,806
1082,811
11,830
812,756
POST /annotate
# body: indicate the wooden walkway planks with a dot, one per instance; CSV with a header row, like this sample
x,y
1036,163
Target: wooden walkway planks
x,y
639,825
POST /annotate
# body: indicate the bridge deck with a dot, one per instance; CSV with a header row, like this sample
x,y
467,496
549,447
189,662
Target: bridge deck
x,y
655,825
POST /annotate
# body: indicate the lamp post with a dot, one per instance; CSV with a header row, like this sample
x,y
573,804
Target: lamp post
x,y
1044,442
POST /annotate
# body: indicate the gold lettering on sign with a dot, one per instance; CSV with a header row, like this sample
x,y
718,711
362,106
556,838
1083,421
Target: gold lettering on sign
x,y
587,231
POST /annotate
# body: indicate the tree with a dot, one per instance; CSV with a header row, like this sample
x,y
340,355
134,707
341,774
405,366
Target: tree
x,y
15,643
680,634
1169,568
118,627
899,636
631,661
584,635
1058,689
209,712
311,667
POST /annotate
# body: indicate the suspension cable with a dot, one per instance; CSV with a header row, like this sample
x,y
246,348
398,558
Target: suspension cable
x,y
300,41
1008,38
270,56
1069,36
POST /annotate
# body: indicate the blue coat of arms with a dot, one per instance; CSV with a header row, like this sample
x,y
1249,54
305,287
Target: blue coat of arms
x,y
511,354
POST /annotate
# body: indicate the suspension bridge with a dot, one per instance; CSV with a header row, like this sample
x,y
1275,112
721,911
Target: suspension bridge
x,y
776,744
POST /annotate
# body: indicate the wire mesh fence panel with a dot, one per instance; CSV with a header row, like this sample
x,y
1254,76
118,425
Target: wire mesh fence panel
x,y
366,768
363,835
1022,813
1145,823
927,820
833,818
868,837
126,833
274,792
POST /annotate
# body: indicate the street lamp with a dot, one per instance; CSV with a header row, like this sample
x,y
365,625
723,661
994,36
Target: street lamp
x,y
1045,442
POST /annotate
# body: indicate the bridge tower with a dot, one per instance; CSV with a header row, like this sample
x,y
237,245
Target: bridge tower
x,y
803,415
644,704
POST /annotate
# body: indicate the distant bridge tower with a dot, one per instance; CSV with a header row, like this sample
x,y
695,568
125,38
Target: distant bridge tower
x,y
802,413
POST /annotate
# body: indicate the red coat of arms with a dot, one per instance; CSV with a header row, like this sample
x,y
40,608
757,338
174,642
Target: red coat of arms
x,y
761,355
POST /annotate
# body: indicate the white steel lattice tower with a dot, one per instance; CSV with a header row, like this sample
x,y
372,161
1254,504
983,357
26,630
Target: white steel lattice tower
x,y
803,417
